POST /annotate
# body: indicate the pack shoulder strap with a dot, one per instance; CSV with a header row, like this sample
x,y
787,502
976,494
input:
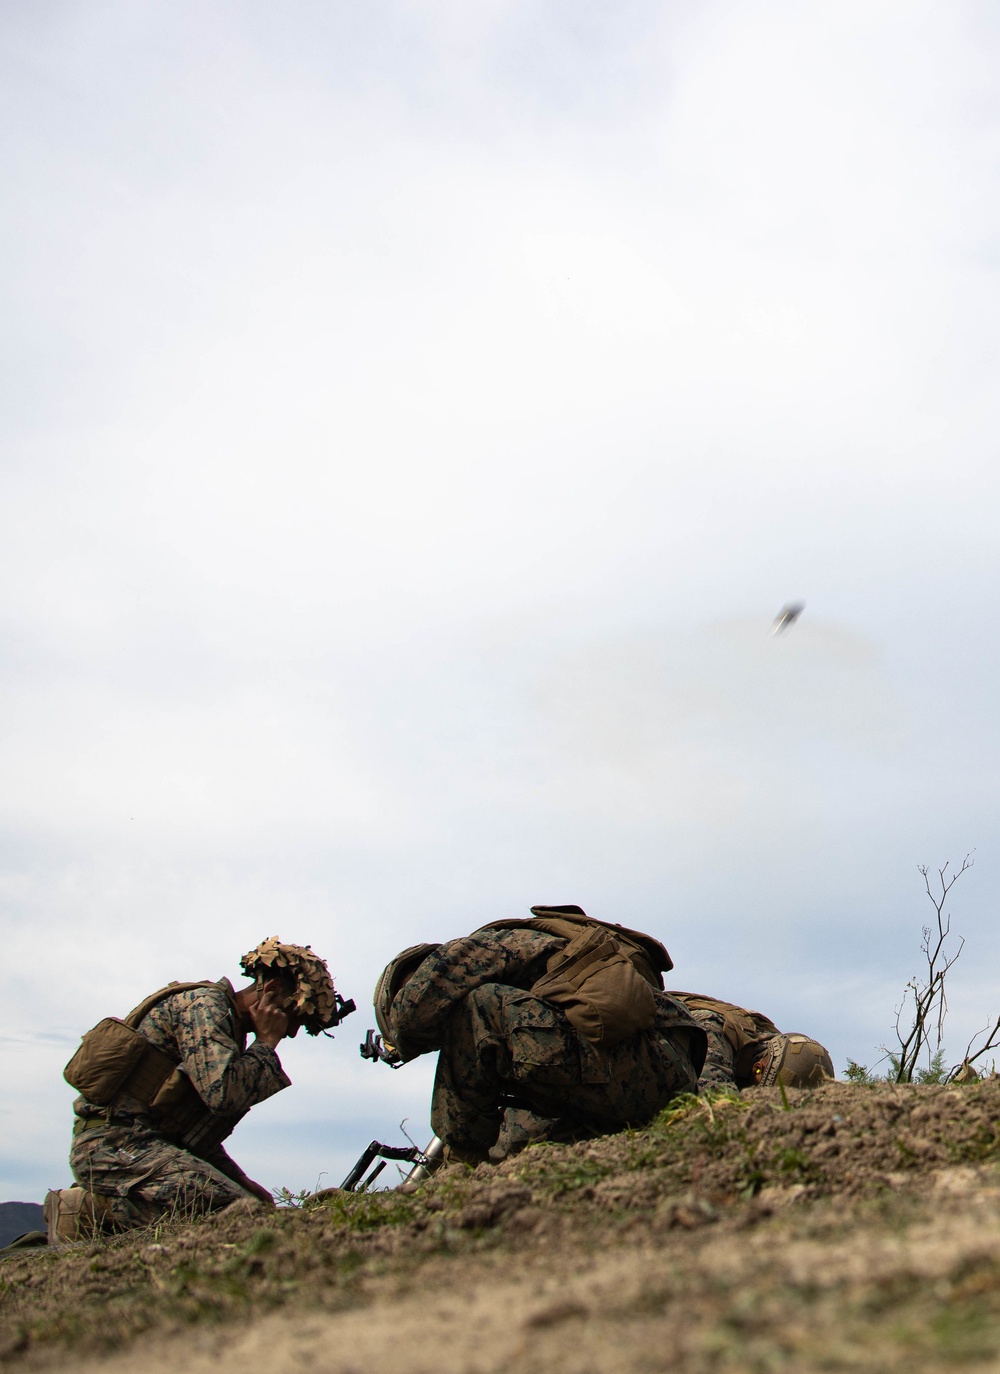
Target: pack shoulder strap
x,y
569,921
148,1003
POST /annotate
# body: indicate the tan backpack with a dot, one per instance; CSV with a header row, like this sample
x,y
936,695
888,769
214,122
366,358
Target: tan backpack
x,y
603,978
114,1058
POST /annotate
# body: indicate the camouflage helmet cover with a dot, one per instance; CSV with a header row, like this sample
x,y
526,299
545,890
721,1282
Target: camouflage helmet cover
x,y
314,1000
397,972
795,1060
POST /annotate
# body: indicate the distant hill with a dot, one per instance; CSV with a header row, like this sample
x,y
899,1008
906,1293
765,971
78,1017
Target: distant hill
x,y
18,1217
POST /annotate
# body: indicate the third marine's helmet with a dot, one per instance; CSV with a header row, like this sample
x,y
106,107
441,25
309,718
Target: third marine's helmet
x,y
794,1060
397,972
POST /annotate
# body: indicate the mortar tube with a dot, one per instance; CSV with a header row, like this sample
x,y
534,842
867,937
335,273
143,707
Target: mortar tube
x,y
433,1157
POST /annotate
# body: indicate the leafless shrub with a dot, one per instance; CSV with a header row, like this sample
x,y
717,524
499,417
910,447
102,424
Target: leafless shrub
x,y
921,1015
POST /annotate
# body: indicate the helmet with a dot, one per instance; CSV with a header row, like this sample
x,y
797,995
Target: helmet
x,y
316,1004
795,1060
395,974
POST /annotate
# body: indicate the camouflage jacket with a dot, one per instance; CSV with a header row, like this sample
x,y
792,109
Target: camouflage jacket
x,y
200,1029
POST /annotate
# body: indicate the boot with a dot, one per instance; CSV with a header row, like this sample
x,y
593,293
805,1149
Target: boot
x,y
74,1214
453,1155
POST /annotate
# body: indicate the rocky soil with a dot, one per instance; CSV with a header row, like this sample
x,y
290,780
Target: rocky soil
x,y
853,1228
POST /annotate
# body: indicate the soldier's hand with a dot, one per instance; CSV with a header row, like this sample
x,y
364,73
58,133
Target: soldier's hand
x,y
270,1021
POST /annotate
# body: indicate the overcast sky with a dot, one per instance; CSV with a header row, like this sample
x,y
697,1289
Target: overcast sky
x,y
414,415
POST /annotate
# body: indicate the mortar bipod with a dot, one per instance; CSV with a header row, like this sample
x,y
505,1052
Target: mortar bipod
x,y
376,1150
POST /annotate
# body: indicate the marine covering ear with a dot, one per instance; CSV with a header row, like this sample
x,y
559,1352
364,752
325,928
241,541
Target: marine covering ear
x,y
393,977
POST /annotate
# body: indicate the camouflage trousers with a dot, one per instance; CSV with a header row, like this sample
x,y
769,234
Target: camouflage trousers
x,y
501,1044
144,1177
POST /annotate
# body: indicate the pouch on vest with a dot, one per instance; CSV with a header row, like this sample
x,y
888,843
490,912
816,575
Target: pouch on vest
x,y
106,1057
182,1116
177,1104
598,988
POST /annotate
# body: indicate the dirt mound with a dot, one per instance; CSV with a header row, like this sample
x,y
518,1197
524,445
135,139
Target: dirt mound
x,y
852,1227
851,1141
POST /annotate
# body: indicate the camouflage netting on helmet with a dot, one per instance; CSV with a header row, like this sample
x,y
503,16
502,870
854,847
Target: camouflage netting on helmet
x,y
314,999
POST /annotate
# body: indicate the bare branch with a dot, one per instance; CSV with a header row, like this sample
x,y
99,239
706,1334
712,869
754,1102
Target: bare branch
x,y
929,1006
992,1042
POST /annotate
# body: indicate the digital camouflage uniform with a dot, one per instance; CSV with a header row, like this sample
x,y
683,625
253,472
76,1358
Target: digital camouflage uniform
x,y
500,1046
119,1154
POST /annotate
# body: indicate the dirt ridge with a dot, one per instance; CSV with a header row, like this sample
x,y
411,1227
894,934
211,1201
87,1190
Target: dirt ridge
x,y
788,1231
